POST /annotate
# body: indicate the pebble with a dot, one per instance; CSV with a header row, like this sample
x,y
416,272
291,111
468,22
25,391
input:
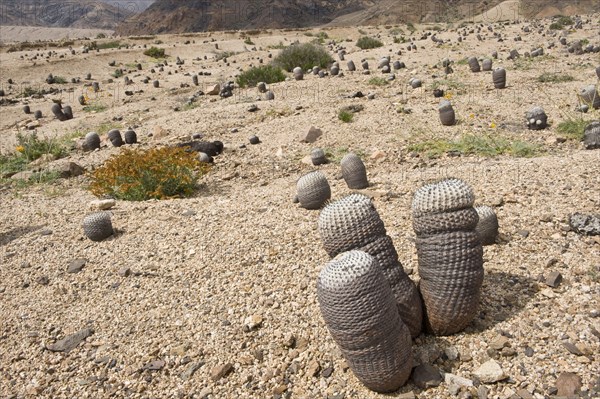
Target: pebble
x,y
553,279
490,372
311,135
70,342
76,266
102,205
568,385
327,371
313,369
499,342
252,322
220,371
124,271
191,369
572,348
426,376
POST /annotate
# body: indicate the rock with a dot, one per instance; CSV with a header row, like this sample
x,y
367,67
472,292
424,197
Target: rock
x,y
154,365
102,205
499,342
43,280
76,266
490,372
451,353
455,382
584,224
254,140
69,169
406,395
24,175
252,108
220,371
313,369
252,322
311,136
190,370
327,371
572,348
378,155
124,271
204,393
215,90
159,133
33,125
523,233
482,392
70,342
426,376
553,279
529,351
44,159
568,385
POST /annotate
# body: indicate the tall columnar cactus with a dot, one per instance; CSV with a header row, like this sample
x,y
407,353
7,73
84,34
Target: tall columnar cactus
x,y
474,64
590,96
450,254
499,78
536,118
354,172
487,227
313,190
97,226
447,115
358,308
352,223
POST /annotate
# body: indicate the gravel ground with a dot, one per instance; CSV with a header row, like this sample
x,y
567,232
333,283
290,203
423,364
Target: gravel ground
x,y
215,296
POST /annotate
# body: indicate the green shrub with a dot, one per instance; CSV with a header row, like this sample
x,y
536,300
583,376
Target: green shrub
x,y
263,73
224,54
345,116
561,23
155,52
549,77
157,173
117,73
305,56
573,128
481,145
377,81
32,148
249,41
59,80
366,42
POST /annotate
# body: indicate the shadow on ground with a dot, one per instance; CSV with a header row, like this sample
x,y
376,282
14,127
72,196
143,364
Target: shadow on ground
x,y
11,235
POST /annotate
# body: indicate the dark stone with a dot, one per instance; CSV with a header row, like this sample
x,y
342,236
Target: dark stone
x,y
554,279
426,376
70,342
572,348
585,224
76,266
591,136
327,371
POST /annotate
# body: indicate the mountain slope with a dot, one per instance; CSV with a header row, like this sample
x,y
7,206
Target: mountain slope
x,y
83,14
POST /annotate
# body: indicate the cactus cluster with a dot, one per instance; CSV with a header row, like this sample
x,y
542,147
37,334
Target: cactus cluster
x,y
447,115
352,223
536,119
450,254
487,226
359,310
98,226
313,190
354,172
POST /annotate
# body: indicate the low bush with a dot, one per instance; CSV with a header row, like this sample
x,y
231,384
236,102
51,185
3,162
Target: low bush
x,y
367,42
263,73
155,52
305,56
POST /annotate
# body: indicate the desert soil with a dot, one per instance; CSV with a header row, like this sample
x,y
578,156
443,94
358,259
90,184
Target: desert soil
x,y
201,267
12,33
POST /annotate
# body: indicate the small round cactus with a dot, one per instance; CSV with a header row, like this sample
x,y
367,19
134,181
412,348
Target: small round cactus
x,y
38,114
499,78
58,112
68,111
254,140
358,308
486,65
115,138
447,115
298,73
415,83
313,190
365,65
195,80
474,64
354,172
88,76
26,109
156,84
487,227
269,95
262,87
96,87
536,119
92,141
81,100
318,157
598,71
589,95
335,70
351,66
130,136
98,226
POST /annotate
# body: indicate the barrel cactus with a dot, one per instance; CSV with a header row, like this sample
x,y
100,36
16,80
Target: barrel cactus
x,y
499,78
358,308
589,95
38,114
298,73
261,87
68,111
598,71
92,141
26,109
365,65
486,65
269,95
351,66
354,172
81,100
130,136
447,115
58,112
318,157
352,223
450,254
313,190
115,138
415,83
536,118
96,87
156,84
474,64
335,70
591,136
487,226
98,226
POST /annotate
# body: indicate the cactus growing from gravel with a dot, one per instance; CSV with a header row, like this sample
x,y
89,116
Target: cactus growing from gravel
x,y
156,84
486,65
92,141
38,114
262,87
58,112
589,95
130,136
447,115
352,222
354,172
298,73
358,308
450,255
487,226
474,64
536,118
313,190
98,226
499,78
351,66
26,109
318,157
115,138
81,100
96,87
68,111
598,71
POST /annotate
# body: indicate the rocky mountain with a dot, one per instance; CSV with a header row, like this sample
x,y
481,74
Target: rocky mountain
x,y
175,16
83,14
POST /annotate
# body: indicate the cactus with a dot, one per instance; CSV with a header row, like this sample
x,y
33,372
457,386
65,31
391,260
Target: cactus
x,y
318,157
58,112
486,65
450,254
598,71
353,223
358,308
351,66
365,65
115,138
130,136
589,95
97,226
415,83
26,109
354,172
68,111
591,136
536,119
335,70
262,87
474,64
156,84
269,96
92,141
487,227
96,87
81,100
298,73
447,115
499,78
313,190
38,114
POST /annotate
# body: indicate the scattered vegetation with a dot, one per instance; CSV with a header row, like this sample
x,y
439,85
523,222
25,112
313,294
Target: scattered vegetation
x,y
117,73
95,108
249,41
378,81
157,173
305,56
263,73
573,128
561,23
411,27
366,42
345,116
470,144
155,52
59,80
105,127
224,54
549,77
106,45
278,46
100,36
336,154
